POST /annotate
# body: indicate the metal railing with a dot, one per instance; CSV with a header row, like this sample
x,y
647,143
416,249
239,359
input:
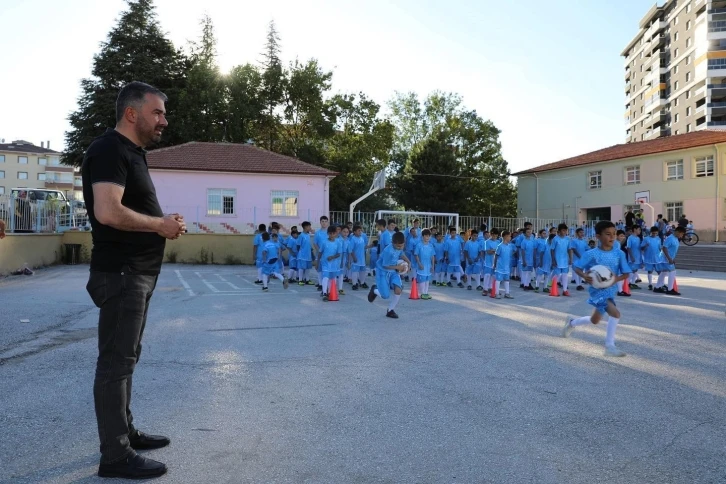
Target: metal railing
x,y
41,216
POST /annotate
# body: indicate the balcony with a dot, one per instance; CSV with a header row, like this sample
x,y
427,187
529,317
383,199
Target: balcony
x,y
60,185
716,125
657,26
655,133
715,11
716,30
627,87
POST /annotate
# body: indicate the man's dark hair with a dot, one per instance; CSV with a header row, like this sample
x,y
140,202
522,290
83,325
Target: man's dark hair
x,y
654,229
398,238
602,225
133,95
474,232
452,229
357,226
275,226
505,233
495,231
527,224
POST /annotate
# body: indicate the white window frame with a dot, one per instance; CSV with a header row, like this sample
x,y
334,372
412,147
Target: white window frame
x,y
20,160
220,207
701,164
675,164
22,173
673,211
2,190
41,176
55,161
2,158
43,161
2,174
635,172
284,203
596,175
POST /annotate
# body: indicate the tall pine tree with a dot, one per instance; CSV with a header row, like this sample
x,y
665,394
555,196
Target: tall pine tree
x,y
136,50
272,91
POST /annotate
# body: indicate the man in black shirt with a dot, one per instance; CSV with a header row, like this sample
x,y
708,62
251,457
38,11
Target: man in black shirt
x,y
129,232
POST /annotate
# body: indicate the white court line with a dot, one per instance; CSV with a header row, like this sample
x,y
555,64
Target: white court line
x,y
211,287
184,283
227,282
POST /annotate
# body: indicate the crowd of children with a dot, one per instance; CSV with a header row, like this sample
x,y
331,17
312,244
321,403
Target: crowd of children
x,y
481,259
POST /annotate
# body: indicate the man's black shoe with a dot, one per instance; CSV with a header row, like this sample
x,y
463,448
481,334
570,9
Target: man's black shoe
x,y
139,441
133,467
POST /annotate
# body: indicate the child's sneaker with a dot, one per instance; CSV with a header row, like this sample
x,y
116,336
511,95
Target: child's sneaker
x,y
650,287
580,288
448,284
326,298
341,292
633,286
536,289
469,288
613,350
300,283
479,288
406,279
568,329
364,286
461,285
265,288
310,283
546,290
391,314
623,294
285,283
355,287
673,292
566,293
508,296
499,296
258,282
371,294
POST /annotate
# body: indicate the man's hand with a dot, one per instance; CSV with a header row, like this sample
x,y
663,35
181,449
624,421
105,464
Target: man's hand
x,y
171,228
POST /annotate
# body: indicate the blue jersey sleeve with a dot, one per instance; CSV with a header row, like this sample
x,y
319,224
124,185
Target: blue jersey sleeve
x,y
585,262
624,266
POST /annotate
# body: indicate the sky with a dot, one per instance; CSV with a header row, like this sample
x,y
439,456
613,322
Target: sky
x,y
548,74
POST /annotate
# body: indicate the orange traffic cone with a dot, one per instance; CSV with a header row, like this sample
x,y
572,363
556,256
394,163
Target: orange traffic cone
x,y
626,287
333,292
414,290
675,284
554,291
493,292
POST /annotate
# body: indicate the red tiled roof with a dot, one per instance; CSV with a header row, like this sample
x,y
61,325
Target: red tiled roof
x,y
229,157
641,148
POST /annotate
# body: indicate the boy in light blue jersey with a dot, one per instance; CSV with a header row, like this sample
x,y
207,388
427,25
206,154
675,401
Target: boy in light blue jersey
x,y
271,257
373,259
276,239
388,274
472,252
257,251
357,250
489,248
503,265
440,267
292,248
578,247
651,253
412,241
527,246
602,299
387,235
635,255
668,266
344,245
425,263
452,256
320,236
543,261
330,252
305,255
561,258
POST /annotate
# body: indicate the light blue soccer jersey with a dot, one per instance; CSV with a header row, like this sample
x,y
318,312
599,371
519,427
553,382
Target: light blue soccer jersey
x,y
472,249
320,236
527,245
579,245
411,243
374,257
634,244
652,245
425,252
357,247
270,251
385,239
504,257
439,248
292,246
330,248
258,243
613,259
452,247
305,250
544,256
561,245
671,243
490,244
389,257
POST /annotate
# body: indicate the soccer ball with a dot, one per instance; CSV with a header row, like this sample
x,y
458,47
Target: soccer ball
x,y
602,277
402,262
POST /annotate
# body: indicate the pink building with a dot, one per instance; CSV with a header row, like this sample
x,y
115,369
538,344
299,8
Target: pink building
x,y
231,188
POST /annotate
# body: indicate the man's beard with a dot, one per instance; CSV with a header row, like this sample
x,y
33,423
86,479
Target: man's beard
x,y
147,133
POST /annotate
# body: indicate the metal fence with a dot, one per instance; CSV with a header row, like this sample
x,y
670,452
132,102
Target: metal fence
x,y
23,215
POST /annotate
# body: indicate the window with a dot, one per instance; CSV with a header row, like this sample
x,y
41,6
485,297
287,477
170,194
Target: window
x,y
284,203
688,8
688,94
595,178
41,176
55,161
2,190
42,161
2,174
2,158
675,36
674,170
688,128
678,131
676,103
632,175
678,117
704,166
675,86
23,160
674,210
675,70
688,25
688,60
688,42
688,111
22,175
688,76
220,201
676,22
78,181
675,53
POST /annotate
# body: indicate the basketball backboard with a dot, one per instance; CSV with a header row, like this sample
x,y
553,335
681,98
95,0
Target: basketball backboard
x,y
643,197
379,180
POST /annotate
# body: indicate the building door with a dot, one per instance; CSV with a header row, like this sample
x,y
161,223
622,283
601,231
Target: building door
x,y
601,213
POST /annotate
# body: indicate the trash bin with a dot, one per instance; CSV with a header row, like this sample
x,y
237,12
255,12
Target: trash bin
x,y
73,253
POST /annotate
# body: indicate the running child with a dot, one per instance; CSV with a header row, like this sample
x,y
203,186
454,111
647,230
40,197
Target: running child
x,y
257,251
388,274
602,299
271,257
503,265
425,262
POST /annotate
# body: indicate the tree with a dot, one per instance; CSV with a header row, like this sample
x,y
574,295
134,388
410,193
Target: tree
x,y
202,105
245,108
135,50
272,89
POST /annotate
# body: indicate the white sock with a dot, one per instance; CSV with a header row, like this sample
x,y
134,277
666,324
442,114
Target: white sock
x,y
506,287
496,288
487,281
394,301
661,279
610,334
259,274
565,279
340,282
325,283
362,277
458,277
265,280
650,278
301,274
424,288
291,273
580,321
539,281
671,279
620,286
279,276
377,292
633,277
476,280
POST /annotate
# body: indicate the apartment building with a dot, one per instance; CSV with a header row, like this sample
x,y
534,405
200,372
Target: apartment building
x,y
23,164
675,70
675,174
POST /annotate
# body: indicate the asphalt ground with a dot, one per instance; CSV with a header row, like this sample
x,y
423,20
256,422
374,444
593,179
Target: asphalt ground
x,y
282,387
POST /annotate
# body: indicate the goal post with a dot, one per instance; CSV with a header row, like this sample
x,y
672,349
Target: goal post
x,y
404,219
